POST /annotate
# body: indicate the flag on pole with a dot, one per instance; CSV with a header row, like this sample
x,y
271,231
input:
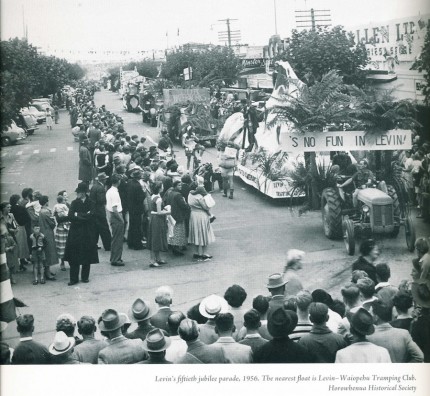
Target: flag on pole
x,y
178,31
7,304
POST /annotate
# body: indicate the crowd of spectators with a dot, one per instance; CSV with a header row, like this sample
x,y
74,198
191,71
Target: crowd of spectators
x,y
374,322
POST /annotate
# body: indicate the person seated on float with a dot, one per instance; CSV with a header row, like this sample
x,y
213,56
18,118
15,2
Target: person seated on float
x,y
363,178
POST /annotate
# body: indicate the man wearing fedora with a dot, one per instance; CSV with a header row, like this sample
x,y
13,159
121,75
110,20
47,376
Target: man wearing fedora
x,y
362,350
81,245
210,307
98,198
276,285
197,351
156,344
28,351
136,197
281,349
233,351
398,342
61,349
120,350
140,313
420,326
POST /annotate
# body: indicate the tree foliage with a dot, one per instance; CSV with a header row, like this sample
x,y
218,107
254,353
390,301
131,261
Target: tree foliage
x,y
422,64
26,74
313,53
216,65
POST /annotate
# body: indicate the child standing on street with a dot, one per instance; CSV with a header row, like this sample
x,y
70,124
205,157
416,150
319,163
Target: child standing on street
x,y
38,258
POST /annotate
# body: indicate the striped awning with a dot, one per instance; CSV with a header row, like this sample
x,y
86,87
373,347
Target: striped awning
x,y
7,304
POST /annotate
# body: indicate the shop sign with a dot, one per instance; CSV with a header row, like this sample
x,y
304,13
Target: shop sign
x,y
396,139
401,39
254,62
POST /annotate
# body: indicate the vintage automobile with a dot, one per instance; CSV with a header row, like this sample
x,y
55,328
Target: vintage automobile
x,y
27,121
12,134
378,213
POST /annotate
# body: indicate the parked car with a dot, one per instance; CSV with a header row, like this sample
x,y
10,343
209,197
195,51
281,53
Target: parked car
x,y
42,106
40,115
27,121
12,134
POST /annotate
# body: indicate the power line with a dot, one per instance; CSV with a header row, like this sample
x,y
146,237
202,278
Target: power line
x,y
229,34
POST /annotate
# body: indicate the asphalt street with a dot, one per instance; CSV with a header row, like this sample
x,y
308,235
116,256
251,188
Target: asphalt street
x,y
253,234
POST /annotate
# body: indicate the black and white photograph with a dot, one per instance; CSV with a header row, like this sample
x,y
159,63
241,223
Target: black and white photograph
x,y
193,183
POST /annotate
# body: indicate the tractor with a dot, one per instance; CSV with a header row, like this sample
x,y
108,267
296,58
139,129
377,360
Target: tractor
x,y
379,212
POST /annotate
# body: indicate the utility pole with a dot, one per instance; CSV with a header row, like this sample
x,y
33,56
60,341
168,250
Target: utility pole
x,y
276,22
231,34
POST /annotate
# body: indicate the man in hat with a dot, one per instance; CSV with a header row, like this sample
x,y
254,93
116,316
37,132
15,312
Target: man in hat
x,y
61,349
81,245
276,285
116,221
156,344
281,349
28,351
398,342
252,324
197,351
362,350
321,342
140,313
85,163
163,298
120,350
88,350
98,198
209,308
420,326
136,197
178,348
233,351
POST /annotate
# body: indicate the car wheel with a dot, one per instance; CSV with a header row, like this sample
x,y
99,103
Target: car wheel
x,y
5,141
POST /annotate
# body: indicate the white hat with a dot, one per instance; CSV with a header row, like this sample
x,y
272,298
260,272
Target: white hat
x,y
212,305
61,344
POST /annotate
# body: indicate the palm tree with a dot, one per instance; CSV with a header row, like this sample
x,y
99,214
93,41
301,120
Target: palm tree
x,y
327,102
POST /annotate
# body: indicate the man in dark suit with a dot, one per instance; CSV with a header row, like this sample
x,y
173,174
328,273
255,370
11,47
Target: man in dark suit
x,y
98,198
140,313
121,350
281,349
136,198
197,351
163,297
28,351
252,324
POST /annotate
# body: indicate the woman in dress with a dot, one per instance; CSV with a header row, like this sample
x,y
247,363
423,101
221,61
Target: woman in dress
x,y
22,219
200,230
49,121
61,232
157,238
47,226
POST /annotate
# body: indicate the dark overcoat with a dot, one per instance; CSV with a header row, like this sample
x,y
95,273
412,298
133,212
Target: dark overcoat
x,y
81,245
85,164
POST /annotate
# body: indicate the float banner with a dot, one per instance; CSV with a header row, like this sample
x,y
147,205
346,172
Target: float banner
x,y
173,96
396,139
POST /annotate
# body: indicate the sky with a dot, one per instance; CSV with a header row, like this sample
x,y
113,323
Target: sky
x,y
102,25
